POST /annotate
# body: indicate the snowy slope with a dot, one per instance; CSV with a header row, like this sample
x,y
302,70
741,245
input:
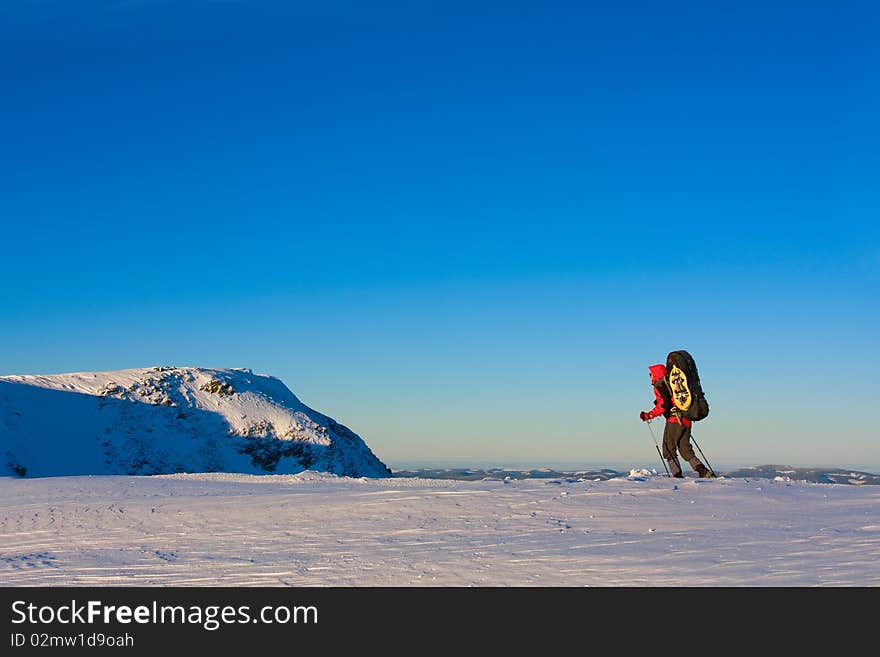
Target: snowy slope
x,y
315,529
169,419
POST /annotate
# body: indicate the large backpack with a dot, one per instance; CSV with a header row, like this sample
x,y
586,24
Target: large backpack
x,y
684,385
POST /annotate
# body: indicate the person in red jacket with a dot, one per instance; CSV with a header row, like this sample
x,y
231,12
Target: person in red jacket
x,y
677,434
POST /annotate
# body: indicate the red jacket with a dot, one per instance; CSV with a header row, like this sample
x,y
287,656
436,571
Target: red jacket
x,y
657,373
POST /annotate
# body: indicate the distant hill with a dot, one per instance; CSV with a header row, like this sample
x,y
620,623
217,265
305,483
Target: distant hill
x,y
779,472
163,420
817,475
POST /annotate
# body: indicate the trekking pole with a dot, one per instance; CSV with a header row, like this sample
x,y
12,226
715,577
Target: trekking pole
x,y
648,422
703,455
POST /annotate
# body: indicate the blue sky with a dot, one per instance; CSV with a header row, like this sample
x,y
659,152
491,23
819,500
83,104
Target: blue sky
x,y
462,229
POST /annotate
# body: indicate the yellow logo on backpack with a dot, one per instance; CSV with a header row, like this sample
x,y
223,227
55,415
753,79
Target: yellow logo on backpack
x,y
681,394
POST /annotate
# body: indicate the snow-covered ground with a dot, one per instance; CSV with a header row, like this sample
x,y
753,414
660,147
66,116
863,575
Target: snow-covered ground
x,y
316,529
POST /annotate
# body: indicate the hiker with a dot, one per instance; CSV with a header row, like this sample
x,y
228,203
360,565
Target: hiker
x,y
677,434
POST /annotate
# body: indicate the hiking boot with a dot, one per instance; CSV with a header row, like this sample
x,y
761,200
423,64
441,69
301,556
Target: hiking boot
x,y
675,468
704,472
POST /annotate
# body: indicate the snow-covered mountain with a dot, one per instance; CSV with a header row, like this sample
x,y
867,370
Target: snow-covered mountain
x,y
169,419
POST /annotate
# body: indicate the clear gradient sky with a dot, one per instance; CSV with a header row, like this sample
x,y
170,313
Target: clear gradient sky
x,y
463,229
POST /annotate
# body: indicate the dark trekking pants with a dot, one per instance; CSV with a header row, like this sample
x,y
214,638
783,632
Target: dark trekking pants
x,y
677,437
